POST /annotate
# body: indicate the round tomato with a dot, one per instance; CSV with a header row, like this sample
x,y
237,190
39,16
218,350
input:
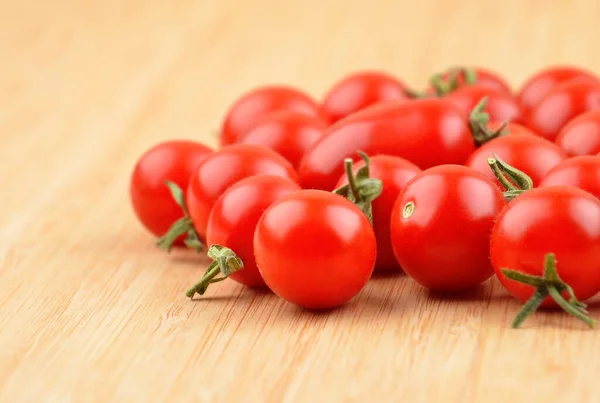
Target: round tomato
x,y
582,172
359,90
289,133
531,154
394,173
249,108
152,202
315,249
559,220
543,82
581,136
459,77
232,223
565,102
441,224
222,169
427,132
500,105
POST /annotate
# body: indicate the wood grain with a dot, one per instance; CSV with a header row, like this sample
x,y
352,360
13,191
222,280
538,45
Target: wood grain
x,y
90,311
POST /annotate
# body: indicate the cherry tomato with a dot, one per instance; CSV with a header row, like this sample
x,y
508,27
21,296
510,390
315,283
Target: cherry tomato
x,y
476,76
359,90
289,133
174,161
315,249
565,102
555,219
427,132
234,217
225,167
250,107
582,172
394,173
441,225
500,105
531,154
543,82
581,136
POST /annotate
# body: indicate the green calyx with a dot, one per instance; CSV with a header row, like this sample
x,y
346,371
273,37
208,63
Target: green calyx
x,y
549,284
361,188
478,121
225,262
444,86
182,226
514,181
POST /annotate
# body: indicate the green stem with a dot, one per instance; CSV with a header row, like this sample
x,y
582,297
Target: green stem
x,y
514,181
570,308
530,307
351,178
225,262
478,121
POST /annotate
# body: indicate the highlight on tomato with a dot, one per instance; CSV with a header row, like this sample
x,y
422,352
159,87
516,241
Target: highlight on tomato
x,y
582,172
581,136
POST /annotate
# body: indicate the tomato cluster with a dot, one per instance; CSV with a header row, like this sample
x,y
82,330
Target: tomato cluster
x,y
466,180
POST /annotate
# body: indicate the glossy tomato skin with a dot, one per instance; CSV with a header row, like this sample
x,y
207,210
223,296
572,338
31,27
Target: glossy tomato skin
x,y
315,249
582,172
565,102
234,217
501,106
531,154
289,133
485,78
174,161
581,136
443,244
543,82
360,90
255,104
555,219
427,132
394,173
223,168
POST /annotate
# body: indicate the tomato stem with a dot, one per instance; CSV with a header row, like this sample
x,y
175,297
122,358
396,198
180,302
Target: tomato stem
x,y
514,181
549,284
225,262
478,121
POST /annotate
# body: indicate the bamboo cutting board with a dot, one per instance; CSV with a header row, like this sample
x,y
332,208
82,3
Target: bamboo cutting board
x,y
91,311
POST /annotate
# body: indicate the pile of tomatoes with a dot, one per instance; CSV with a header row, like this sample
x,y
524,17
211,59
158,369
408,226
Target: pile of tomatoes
x,y
451,185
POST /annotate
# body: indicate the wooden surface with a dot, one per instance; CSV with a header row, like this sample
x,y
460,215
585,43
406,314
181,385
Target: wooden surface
x,y
90,311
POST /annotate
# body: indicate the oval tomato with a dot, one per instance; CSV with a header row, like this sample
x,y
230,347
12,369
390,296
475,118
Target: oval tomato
x,y
582,172
225,167
315,249
500,105
531,154
581,136
565,102
544,81
289,133
427,132
441,224
174,161
359,90
255,104
394,173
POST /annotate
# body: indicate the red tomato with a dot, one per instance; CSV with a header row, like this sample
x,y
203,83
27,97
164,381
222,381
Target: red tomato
x,y
500,106
174,161
394,173
543,82
581,136
225,167
441,225
482,77
249,108
555,219
582,172
359,90
234,217
289,133
565,102
531,154
315,249
427,132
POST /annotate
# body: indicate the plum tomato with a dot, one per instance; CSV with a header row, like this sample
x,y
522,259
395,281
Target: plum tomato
x,y
290,133
441,224
582,172
581,136
315,249
174,161
501,106
253,105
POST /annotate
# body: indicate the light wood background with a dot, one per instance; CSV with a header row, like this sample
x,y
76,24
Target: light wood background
x,y
90,311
